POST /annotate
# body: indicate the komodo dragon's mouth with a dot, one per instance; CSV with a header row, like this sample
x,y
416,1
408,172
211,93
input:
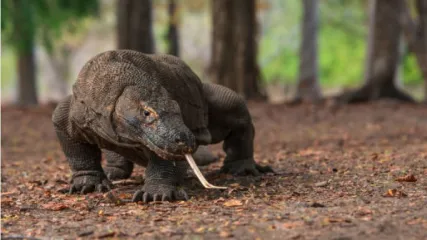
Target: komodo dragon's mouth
x,y
163,153
187,156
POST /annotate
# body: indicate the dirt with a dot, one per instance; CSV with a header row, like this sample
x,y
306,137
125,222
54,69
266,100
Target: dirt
x,y
349,172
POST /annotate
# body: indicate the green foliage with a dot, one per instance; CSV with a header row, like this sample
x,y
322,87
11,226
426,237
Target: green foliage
x,y
8,68
280,41
18,24
25,20
411,72
341,57
342,44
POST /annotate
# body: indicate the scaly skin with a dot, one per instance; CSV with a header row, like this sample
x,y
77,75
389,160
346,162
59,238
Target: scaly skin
x,y
234,127
149,110
118,167
84,158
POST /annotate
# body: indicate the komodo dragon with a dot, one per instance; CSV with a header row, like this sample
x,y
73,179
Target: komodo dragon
x,y
149,110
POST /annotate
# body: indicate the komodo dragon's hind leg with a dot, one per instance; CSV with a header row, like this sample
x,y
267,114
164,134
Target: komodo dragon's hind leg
x,y
203,156
84,158
118,167
230,121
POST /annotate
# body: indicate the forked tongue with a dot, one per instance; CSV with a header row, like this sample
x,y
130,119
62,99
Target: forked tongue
x,y
199,174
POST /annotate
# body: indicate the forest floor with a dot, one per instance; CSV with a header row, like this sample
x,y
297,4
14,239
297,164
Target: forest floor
x,y
341,173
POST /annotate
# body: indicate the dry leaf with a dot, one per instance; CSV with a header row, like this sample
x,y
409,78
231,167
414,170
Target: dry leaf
x,y
395,193
233,203
309,152
321,184
6,200
363,211
407,178
374,156
54,206
336,220
221,199
225,234
106,234
293,224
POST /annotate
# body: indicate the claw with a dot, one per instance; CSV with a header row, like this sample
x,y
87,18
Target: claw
x,y
107,184
87,189
102,188
254,172
246,169
167,197
181,194
137,196
265,169
72,189
185,195
146,197
156,197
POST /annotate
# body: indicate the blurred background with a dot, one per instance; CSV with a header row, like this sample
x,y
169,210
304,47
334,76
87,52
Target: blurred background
x,y
277,50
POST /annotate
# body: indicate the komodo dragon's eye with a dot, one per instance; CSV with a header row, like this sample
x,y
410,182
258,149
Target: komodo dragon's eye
x,y
146,113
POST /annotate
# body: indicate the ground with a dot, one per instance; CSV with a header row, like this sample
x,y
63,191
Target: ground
x,y
337,177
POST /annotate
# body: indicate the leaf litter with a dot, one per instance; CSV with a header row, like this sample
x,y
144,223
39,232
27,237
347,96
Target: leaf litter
x,y
330,172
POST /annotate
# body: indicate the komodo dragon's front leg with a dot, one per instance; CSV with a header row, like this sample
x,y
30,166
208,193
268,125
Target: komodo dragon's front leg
x,y
163,180
230,121
84,158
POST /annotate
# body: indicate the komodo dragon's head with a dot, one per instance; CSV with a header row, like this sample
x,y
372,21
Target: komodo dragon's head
x,y
151,117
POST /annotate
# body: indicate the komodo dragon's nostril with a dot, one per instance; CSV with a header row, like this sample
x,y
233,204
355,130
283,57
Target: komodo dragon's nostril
x,y
181,139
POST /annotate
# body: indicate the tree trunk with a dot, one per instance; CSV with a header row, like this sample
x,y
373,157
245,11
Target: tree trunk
x,y
27,93
416,35
134,25
383,55
308,88
398,78
60,61
173,35
24,33
234,47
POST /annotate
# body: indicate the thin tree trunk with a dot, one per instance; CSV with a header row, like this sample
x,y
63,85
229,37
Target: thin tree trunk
x,y
370,41
27,94
308,88
222,49
24,33
173,35
234,47
134,25
398,77
60,61
383,56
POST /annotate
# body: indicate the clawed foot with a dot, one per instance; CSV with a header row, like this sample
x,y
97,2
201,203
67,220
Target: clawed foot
x,y
89,181
115,173
244,167
159,192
